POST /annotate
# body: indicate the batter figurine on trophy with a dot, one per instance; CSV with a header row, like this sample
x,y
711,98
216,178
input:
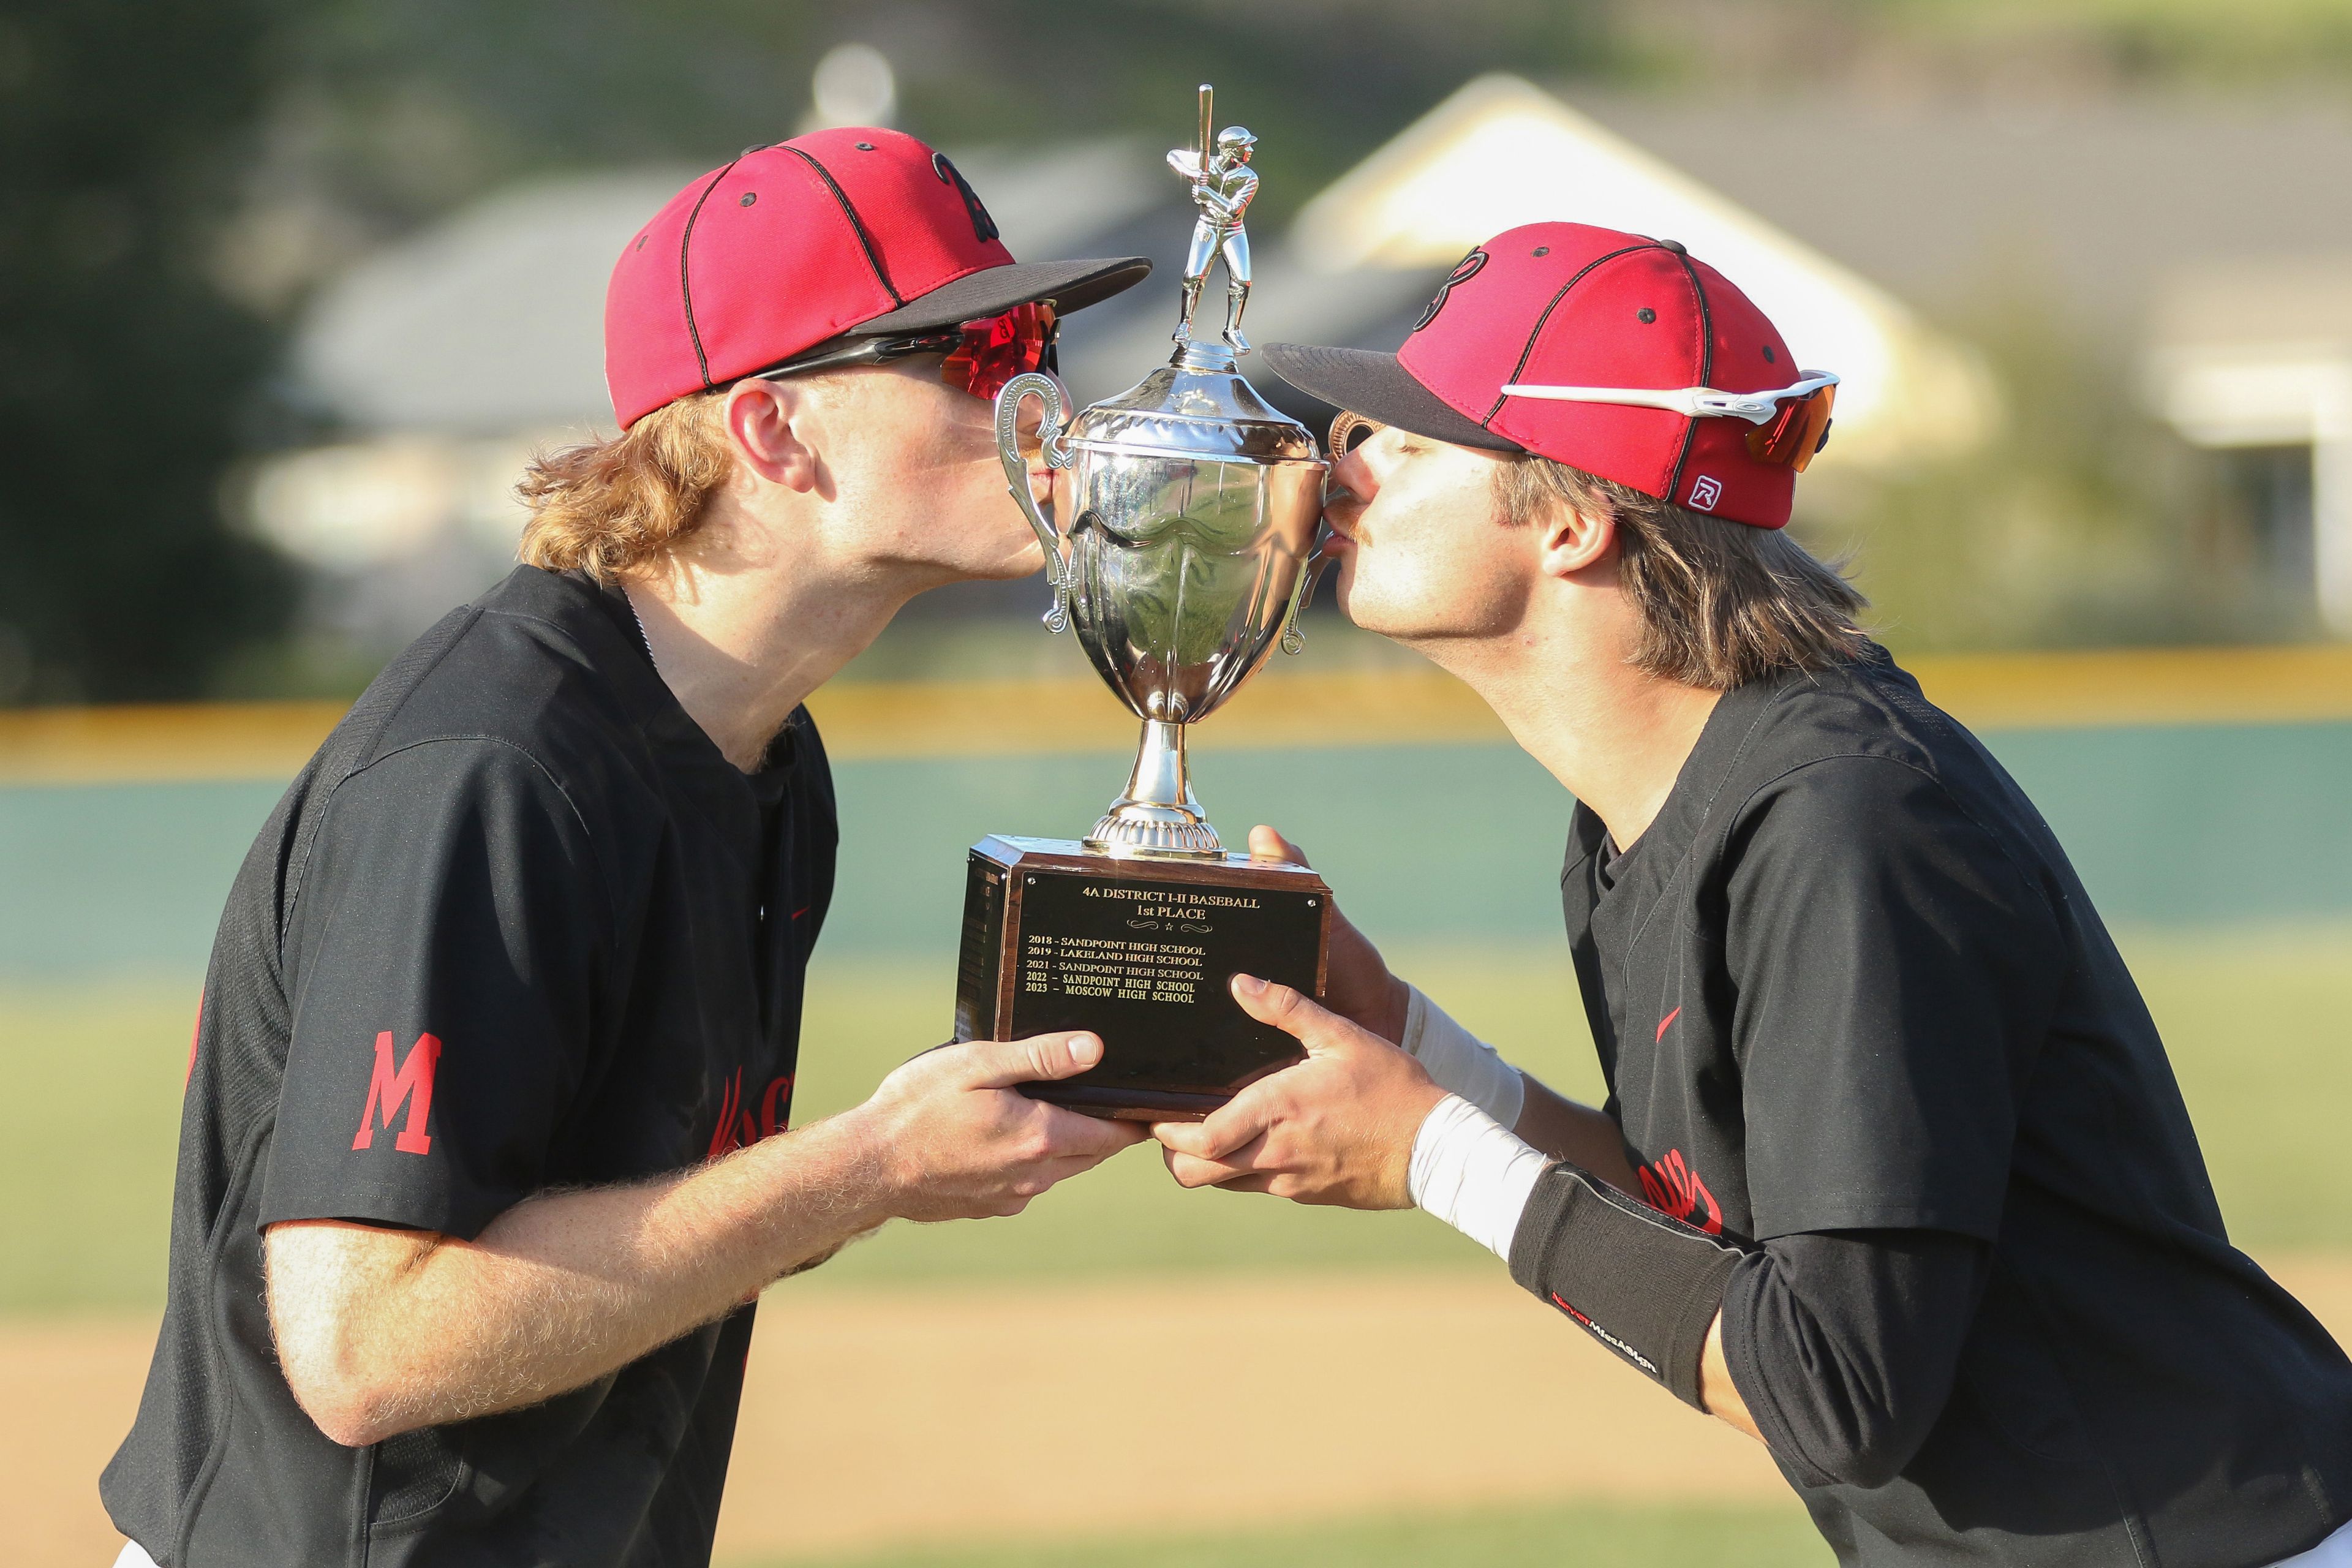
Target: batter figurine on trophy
x,y
1223,183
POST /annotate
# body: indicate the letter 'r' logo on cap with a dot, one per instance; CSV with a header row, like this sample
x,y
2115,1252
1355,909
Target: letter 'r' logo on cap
x,y
1705,493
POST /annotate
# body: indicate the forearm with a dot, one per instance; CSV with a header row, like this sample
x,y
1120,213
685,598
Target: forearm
x,y
1645,1285
1577,1133
565,1288
1463,1064
1846,1344
1718,1396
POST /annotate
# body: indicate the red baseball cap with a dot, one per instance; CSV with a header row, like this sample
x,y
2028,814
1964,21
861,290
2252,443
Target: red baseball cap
x,y
853,231
1567,305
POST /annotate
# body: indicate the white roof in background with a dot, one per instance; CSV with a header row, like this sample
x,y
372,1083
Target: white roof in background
x,y
491,321
2302,302
2256,351
1501,153
2077,206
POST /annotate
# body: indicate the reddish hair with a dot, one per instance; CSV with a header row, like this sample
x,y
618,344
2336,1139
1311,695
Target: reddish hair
x,y
609,507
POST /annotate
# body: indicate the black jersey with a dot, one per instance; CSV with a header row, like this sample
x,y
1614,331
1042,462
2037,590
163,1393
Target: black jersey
x,y
517,925
1847,983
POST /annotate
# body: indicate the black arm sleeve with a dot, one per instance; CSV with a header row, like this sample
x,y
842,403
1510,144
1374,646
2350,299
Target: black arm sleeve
x,y
1641,1282
1844,1344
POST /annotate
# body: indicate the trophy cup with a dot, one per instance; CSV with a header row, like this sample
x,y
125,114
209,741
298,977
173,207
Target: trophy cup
x,y
1188,510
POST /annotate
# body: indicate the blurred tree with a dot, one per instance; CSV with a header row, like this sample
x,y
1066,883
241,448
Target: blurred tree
x,y
409,105
2086,522
124,369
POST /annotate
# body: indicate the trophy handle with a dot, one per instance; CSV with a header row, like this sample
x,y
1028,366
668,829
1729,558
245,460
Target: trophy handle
x,y
1294,641
1016,473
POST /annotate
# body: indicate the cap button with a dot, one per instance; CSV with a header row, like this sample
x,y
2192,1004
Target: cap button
x,y
1674,245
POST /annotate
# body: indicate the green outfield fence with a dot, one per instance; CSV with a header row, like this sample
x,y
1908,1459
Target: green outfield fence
x,y
1428,823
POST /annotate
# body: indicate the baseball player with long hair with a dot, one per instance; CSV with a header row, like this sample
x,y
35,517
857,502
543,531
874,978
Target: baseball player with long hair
x,y
1892,1172
488,1145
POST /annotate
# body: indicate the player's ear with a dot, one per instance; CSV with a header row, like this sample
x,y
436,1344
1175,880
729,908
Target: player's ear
x,y
1571,539
761,418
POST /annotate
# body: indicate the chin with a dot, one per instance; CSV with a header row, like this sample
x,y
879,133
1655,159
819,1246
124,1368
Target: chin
x,y
1028,564
988,540
1370,612
1352,605
1021,555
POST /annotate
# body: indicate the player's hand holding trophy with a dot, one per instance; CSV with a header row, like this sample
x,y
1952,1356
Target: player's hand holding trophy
x,y
1179,545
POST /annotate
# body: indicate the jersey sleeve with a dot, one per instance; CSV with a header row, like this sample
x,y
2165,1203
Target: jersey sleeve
x,y
1894,974
1846,1345
441,964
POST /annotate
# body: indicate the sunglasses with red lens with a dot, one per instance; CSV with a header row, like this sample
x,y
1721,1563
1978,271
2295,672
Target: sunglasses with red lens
x,y
979,356
995,351
1801,429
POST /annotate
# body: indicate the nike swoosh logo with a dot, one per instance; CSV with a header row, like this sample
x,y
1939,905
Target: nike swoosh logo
x,y
1668,1020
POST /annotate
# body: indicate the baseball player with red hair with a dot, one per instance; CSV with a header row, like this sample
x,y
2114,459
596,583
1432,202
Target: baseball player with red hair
x,y
487,1146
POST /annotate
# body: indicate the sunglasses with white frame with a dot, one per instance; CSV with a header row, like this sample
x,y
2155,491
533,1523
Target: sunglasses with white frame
x,y
1692,402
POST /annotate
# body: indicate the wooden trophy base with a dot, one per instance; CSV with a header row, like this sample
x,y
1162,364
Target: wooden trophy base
x,y
1142,951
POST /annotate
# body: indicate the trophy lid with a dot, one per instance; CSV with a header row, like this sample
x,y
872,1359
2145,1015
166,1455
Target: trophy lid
x,y
1199,406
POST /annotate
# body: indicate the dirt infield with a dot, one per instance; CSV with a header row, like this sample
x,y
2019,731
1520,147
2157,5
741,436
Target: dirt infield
x,y
876,1417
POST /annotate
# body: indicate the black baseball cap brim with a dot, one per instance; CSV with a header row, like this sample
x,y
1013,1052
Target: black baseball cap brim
x,y
1378,387
992,290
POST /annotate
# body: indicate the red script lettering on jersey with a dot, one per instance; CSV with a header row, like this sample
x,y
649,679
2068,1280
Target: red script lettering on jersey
x,y
387,1090
736,1129
1672,1187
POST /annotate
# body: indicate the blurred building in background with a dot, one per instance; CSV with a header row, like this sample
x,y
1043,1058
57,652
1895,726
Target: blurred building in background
x,y
1501,152
2192,242
2252,359
2198,242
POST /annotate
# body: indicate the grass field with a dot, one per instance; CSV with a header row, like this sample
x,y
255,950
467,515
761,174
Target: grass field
x,y
1574,1536
2259,1024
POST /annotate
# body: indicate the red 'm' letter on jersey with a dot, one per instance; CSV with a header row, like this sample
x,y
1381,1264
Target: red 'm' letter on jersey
x,y
387,1088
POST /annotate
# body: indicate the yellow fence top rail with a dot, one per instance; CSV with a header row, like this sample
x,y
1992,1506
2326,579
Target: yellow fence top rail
x,y
1403,706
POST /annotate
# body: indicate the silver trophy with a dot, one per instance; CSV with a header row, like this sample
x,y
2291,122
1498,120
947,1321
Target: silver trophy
x,y
1179,543
1188,507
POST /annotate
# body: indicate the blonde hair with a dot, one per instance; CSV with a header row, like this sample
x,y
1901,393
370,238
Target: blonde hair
x,y
608,508
1721,603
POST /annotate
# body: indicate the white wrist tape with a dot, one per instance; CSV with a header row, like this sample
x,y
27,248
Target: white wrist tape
x,y
1460,1061
1473,1174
